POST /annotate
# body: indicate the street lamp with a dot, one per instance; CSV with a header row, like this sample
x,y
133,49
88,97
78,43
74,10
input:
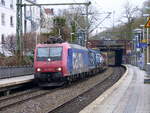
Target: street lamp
x,y
143,40
137,45
147,15
148,63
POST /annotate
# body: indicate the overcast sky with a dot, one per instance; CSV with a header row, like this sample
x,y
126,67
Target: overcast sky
x,y
103,6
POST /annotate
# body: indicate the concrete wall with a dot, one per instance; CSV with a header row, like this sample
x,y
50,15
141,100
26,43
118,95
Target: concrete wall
x,y
8,72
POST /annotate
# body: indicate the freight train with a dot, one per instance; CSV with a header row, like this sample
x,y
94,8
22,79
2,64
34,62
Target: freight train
x,y
64,62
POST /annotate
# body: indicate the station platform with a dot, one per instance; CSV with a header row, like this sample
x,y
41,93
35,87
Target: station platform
x,y
15,81
128,95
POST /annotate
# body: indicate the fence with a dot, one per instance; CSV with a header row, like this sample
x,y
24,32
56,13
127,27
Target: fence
x,y
15,71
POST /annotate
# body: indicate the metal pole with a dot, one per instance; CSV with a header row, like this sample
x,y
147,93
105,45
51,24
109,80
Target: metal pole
x,y
34,4
87,22
40,24
87,25
25,28
148,54
21,38
147,45
144,50
19,28
25,22
136,51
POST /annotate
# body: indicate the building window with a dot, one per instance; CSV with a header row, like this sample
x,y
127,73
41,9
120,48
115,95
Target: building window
x,y
11,4
3,2
3,19
11,21
2,39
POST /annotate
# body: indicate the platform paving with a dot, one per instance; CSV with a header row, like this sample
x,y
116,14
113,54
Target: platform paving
x,y
131,95
15,80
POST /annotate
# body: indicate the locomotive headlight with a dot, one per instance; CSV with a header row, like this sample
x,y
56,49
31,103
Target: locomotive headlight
x,y
59,69
38,69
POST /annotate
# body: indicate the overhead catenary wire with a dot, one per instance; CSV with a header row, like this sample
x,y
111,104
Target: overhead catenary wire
x,y
100,23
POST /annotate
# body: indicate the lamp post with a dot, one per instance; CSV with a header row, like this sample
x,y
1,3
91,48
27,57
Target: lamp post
x,y
137,46
147,16
143,40
148,55
147,44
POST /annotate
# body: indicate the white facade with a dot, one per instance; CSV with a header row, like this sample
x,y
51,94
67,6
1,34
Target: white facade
x,y
8,10
32,17
47,20
7,18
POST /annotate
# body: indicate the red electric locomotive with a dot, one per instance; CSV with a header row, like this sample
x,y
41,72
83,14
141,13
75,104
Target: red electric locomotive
x,y
54,63
50,62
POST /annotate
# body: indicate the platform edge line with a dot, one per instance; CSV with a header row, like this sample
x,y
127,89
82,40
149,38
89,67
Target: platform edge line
x,y
104,95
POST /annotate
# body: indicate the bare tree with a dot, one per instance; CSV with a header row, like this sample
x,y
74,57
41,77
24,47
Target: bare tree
x,y
77,16
29,42
10,43
130,13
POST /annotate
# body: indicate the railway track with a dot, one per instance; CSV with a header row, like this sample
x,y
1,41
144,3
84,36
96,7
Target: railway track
x,y
77,104
39,98
12,100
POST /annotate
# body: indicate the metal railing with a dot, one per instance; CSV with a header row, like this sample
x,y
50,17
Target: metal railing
x,y
15,71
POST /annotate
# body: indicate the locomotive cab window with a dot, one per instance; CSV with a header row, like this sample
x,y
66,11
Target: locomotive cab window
x,y
52,53
55,51
43,52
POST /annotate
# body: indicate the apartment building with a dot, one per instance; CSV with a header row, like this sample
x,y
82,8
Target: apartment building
x,y
32,17
47,16
7,19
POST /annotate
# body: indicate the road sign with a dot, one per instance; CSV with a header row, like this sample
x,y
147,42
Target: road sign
x,y
147,25
144,41
141,45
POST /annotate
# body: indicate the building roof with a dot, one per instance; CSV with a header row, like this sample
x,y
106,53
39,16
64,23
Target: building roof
x,y
49,11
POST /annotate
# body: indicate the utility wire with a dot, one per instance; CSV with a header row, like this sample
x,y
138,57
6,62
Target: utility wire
x,y
100,22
